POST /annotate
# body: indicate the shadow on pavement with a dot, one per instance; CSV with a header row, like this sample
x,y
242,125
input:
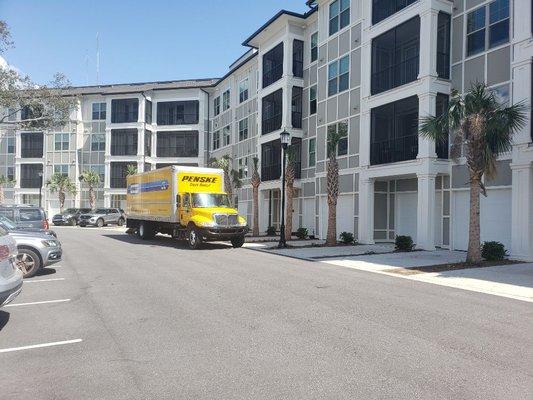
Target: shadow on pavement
x,y
46,271
4,318
166,241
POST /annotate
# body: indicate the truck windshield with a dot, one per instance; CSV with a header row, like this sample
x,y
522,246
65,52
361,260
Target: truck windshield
x,y
205,200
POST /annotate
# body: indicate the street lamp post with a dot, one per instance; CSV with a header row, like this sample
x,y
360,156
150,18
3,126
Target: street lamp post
x,y
40,189
284,138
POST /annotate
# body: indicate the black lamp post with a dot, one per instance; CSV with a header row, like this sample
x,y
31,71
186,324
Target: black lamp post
x,y
285,139
40,188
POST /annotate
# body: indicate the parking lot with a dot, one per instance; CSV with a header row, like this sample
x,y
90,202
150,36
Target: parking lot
x,y
121,318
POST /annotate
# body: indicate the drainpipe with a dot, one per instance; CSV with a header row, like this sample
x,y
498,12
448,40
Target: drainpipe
x,y
208,123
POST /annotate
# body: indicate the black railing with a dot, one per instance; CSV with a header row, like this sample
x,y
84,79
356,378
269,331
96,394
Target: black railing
x,y
298,170
298,68
270,172
123,150
271,124
443,65
118,117
296,120
31,152
118,183
393,150
30,183
180,119
396,75
272,75
441,148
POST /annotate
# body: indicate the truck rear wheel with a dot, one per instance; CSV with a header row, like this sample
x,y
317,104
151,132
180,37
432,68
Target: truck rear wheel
x,y
237,241
194,238
146,231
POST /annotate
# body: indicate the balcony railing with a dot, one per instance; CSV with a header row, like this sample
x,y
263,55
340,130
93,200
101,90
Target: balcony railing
x,y
119,117
270,172
271,124
443,65
271,76
442,149
31,152
123,150
393,150
30,183
396,75
296,120
118,183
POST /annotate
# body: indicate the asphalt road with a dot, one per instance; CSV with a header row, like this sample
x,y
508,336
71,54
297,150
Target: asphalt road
x,y
158,321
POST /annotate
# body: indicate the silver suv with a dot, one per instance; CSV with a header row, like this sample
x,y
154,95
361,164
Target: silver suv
x,y
102,217
10,275
35,251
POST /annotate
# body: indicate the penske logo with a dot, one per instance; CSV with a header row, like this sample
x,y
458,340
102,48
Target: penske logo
x,y
199,179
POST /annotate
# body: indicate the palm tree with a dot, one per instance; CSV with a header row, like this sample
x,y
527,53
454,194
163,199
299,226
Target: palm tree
x,y
332,183
61,184
3,182
224,163
483,128
92,179
131,169
290,175
255,181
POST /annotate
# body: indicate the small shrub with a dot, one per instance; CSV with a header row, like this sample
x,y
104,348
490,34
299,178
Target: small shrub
x,y
404,243
301,233
271,231
347,237
493,251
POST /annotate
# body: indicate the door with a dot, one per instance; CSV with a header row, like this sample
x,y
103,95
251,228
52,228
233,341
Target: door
x,y
406,214
185,209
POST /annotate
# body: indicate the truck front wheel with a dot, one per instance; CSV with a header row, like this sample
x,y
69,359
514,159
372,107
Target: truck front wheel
x,y
193,237
146,231
237,241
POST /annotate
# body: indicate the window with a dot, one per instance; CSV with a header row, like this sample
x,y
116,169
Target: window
x,y
148,112
61,141
177,144
11,173
148,143
98,142
443,46
441,105
298,58
226,100
216,140
31,144
124,142
27,215
271,160
100,170
272,112
12,114
11,145
29,175
338,75
61,169
226,135
499,22
216,105
296,107
311,158
273,65
243,90
475,31
118,174
395,56
314,46
243,129
99,111
382,9
342,129
312,100
177,112
339,15
477,37
243,167
124,110
502,94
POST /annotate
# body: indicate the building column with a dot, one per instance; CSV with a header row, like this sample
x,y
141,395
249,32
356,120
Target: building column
x,y
366,211
364,139
522,212
425,222
428,42
426,107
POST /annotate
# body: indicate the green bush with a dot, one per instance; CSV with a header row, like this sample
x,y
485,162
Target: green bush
x,y
347,237
493,251
271,231
404,243
301,233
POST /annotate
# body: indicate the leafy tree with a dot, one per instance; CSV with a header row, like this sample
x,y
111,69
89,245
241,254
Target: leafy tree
x,y
92,179
131,169
4,181
290,176
255,181
62,185
482,128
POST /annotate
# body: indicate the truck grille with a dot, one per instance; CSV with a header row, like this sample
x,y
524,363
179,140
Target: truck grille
x,y
226,219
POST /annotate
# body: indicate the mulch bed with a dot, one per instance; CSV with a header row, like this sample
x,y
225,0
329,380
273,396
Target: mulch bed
x,y
450,267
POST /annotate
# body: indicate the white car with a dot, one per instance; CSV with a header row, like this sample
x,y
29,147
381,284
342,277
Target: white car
x,y
10,275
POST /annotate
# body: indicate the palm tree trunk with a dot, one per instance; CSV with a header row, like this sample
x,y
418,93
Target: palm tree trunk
x,y
92,199
2,196
288,211
331,238
332,179
474,246
61,196
255,228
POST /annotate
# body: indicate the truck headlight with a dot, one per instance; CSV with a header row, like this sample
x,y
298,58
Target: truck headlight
x,y
50,243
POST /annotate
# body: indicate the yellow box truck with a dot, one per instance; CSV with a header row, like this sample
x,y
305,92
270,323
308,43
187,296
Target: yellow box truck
x,y
186,202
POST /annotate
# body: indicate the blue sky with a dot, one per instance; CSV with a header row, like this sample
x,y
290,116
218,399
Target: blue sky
x,y
146,40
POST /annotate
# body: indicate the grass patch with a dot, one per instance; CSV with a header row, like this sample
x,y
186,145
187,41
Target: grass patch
x,y
450,267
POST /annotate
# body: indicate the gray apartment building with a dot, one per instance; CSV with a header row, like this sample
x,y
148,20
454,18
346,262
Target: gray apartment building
x,y
367,69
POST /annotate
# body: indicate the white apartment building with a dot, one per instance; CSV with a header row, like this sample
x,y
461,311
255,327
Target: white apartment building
x,y
368,69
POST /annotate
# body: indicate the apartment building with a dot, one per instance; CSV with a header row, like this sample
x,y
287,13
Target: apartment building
x,y
367,69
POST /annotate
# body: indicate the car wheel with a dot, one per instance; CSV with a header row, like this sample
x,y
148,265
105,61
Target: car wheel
x,y
56,224
82,225
146,231
237,241
99,222
120,222
28,262
194,238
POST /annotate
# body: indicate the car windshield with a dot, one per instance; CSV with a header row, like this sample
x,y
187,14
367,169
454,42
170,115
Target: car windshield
x,y
7,222
101,211
69,211
204,200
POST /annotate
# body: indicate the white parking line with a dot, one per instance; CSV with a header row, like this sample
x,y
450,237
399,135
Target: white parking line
x,y
38,302
45,280
37,346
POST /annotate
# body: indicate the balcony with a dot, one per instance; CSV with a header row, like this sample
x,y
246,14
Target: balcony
x,y
396,75
270,172
118,183
31,145
394,150
382,9
30,183
124,110
271,124
273,65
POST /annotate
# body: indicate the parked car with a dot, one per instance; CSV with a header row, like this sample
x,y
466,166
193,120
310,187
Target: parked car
x,y
36,250
25,216
10,226
10,275
70,216
102,217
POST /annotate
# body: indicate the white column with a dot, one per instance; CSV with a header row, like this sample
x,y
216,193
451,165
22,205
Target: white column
x,y
364,139
522,212
426,107
425,223
366,211
428,43
522,93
